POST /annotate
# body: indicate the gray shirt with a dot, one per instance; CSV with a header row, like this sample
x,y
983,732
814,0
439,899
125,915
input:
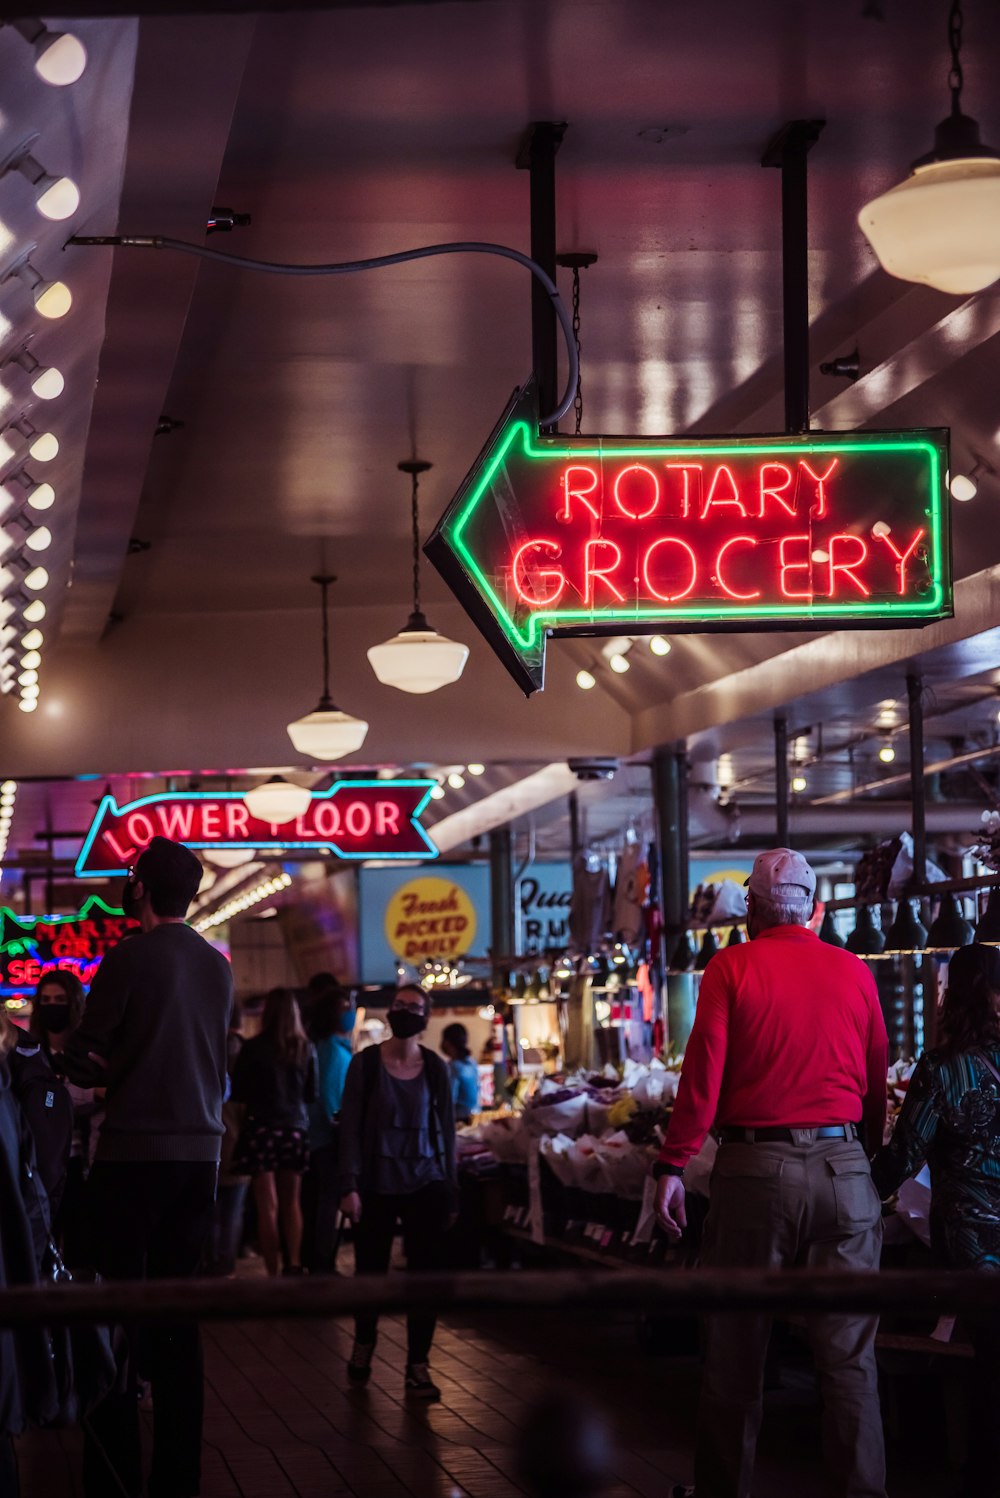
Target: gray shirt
x,y
405,1157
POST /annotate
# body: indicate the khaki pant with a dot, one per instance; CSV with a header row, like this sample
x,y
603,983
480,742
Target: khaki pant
x,y
779,1206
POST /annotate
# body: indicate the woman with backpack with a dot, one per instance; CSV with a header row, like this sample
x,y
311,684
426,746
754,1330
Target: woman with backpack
x,y
951,1120
275,1078
56,1011
397,1164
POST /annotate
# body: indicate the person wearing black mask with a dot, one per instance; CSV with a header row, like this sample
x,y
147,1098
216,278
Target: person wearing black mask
x,y
397,1164
56,1012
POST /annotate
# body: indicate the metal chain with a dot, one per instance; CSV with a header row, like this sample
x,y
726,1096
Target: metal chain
x,y
325,585
578,399
955,77
415,518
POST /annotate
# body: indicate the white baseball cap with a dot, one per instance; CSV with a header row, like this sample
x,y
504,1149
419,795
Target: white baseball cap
x,y
778,868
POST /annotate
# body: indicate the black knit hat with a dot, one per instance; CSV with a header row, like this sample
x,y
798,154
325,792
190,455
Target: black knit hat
x,y
171,874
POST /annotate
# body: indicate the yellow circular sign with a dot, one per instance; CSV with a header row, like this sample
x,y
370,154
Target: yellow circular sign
x,y
430,918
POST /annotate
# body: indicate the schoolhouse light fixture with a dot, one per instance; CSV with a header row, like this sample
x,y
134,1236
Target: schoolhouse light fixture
x,y
417,659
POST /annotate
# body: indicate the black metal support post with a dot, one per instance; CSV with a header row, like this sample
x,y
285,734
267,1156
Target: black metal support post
x,y
915,697
781,782
538,156
501,898
789,150
574,827
670,776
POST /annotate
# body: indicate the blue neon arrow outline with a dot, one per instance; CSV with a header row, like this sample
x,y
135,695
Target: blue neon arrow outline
x,y
109,804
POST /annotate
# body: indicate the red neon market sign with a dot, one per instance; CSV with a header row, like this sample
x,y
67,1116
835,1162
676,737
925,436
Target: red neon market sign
x,y
587,536
352,819
31,946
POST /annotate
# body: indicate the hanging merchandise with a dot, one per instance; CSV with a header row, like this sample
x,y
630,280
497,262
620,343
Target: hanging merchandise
x,y
590,908
626,917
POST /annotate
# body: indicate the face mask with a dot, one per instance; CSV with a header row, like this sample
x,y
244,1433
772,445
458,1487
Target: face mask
x,y
404,1023
54,1017
347,1018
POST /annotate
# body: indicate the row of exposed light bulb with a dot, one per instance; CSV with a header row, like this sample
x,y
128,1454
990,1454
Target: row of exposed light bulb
x,y
619,661
244,901
8,795
886,756
456,779
60,59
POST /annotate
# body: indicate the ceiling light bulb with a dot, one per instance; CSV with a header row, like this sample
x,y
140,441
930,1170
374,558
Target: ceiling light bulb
x,y
44,448
53,299
456,781
27,704
659,646
36,580
8,788
437,794
31,690
60,57
476,769
40,539
31,661
59,200
585,680
963,487
42,497
887,754
27,678
32,639
47,383
618,662
34,612
799,782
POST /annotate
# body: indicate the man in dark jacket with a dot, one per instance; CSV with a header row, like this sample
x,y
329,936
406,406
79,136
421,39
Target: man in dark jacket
x,y
154,1034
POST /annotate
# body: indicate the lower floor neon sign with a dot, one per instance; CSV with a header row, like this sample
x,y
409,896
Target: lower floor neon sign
x,y
613,535
31,946
352,819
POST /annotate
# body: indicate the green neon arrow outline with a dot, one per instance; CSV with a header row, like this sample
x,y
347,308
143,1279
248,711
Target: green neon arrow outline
x,y
544,620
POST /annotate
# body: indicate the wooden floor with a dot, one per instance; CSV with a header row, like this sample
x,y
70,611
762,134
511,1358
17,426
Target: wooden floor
x,y
282,1423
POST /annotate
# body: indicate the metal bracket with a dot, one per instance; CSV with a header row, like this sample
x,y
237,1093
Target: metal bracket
x,y
789,150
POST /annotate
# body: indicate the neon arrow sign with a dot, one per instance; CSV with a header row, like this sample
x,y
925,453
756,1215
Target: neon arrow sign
x,y
352,819
615,535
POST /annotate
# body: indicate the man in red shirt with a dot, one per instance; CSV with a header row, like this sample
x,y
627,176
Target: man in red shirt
x,y
786,1061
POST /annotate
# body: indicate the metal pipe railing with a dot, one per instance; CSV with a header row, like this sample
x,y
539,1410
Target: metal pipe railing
x,y
666,1292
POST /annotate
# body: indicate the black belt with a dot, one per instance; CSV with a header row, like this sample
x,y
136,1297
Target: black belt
x,y
787,1136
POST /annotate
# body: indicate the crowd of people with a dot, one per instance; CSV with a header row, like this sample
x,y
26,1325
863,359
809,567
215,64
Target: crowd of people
x,y
143,1135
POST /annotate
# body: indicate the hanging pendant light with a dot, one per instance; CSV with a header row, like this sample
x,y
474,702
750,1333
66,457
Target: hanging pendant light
x,y
326,732
683,956
951,929
709,947
907,932
418,659
988,929
941,227
736,937
866,940
828,931
277,801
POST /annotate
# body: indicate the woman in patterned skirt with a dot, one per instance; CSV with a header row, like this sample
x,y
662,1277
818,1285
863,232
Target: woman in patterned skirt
x,y
951,1120
275,1078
